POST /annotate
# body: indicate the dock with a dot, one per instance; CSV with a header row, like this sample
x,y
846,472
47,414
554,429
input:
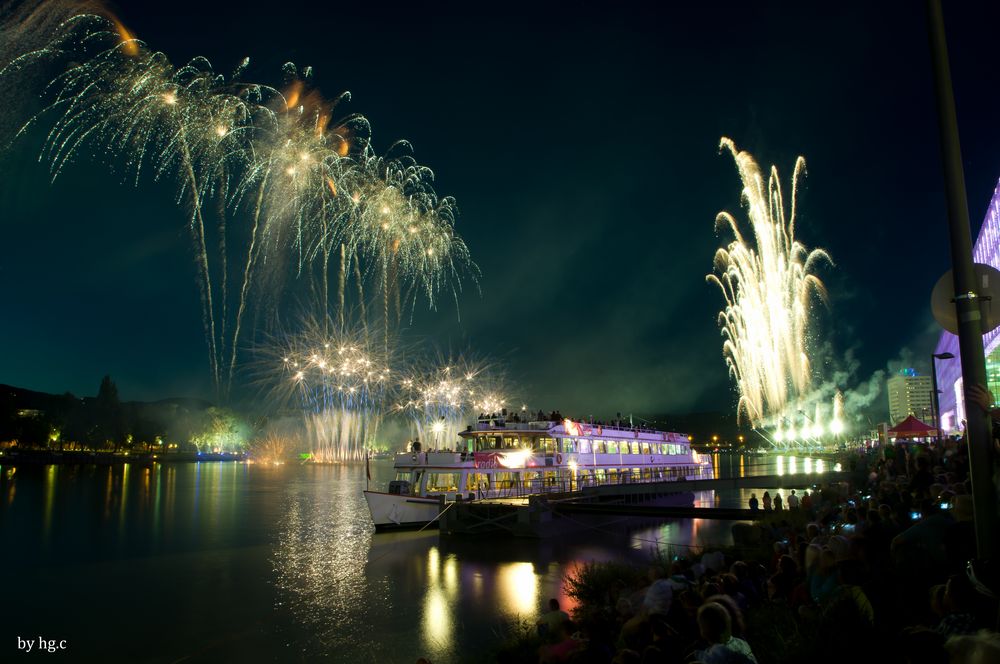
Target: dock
x,y
542,515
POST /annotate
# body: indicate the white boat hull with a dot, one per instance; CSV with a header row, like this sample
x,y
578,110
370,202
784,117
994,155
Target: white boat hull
x,y
390,510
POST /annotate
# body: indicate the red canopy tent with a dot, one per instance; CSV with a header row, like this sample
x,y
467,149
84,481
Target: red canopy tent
x,y
911,427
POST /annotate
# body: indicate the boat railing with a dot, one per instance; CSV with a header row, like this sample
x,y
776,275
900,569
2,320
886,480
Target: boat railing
x,y
487,425
545,425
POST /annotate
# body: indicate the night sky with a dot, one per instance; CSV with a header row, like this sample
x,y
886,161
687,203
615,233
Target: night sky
x,y
581,146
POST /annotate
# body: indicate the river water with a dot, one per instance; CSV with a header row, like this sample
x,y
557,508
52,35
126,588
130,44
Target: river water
x,y
227,561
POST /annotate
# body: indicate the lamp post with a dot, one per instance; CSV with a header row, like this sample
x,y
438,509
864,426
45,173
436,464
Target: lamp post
x,y
935,403
970,327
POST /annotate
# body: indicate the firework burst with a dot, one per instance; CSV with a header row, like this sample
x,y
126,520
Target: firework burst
x,y
301,186
440,398
340,382
768,287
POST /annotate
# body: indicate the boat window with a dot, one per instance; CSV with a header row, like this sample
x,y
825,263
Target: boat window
x,y
612,447
645,448
635,447
510,441
584,446
442,482
401,475
504,480
547,445
568,445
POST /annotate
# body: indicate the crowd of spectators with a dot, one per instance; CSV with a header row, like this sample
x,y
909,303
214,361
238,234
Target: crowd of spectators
x,y
875,570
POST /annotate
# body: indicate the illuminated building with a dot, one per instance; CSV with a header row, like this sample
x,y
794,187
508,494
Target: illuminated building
x,y
909,394
949,372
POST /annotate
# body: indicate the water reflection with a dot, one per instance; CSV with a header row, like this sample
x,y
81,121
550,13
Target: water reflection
x,y
322,545
809,466
288,553
436,621
680,536
517,589
51,475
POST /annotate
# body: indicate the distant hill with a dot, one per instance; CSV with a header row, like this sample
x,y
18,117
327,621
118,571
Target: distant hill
x,y
190,403
23,398
35,418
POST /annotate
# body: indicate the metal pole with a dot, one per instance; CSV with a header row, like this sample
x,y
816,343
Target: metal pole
x,y
970,332
935,403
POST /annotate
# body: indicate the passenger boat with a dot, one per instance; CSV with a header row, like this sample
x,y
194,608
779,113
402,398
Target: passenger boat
x,y
497,459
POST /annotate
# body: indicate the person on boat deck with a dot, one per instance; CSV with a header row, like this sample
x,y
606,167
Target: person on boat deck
x,y
767,501
415,446
754,504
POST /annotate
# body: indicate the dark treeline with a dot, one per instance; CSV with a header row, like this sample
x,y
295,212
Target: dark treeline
x,y
31,419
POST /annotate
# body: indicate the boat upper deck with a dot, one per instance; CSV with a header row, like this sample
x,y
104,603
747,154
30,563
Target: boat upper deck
x,y
570,429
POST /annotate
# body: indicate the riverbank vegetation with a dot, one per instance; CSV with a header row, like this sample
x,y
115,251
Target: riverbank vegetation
x,y
38,421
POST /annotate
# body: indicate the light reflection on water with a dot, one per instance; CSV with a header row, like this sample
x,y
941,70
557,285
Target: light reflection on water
x,y
283,563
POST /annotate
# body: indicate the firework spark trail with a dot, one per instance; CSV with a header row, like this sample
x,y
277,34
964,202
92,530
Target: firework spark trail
x,y
339,382
133,103
313,183
299,159
440,399
407,233
768,288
